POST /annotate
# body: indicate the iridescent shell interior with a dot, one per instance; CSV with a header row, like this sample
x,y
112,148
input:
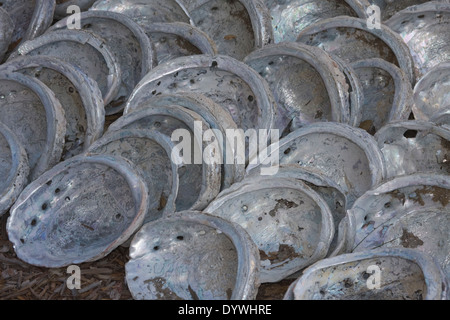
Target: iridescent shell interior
x,y
81,212
182,260
402,280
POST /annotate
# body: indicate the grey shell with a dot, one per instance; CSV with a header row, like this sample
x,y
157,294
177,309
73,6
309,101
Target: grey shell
x,y
328,190
396,196
387,92
306,83
297,223
78,211
84,50
290,17
414,147
349,156
408,211
355,90
14,168
237,27
192,256
425,230
351,39
145,12
227,81
79,96
406,274
62,9
218,119
29,108
389,8
151,151
442,118
128,43
432,93
30,18
178,39
6,32
200,180
424,28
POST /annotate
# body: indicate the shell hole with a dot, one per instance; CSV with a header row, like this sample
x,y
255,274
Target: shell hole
x,y
410,134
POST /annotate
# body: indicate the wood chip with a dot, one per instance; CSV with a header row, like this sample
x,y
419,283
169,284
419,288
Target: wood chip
x,y
13,261
90,287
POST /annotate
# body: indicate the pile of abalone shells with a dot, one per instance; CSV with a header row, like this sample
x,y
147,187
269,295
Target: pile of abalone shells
x,y
347,101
